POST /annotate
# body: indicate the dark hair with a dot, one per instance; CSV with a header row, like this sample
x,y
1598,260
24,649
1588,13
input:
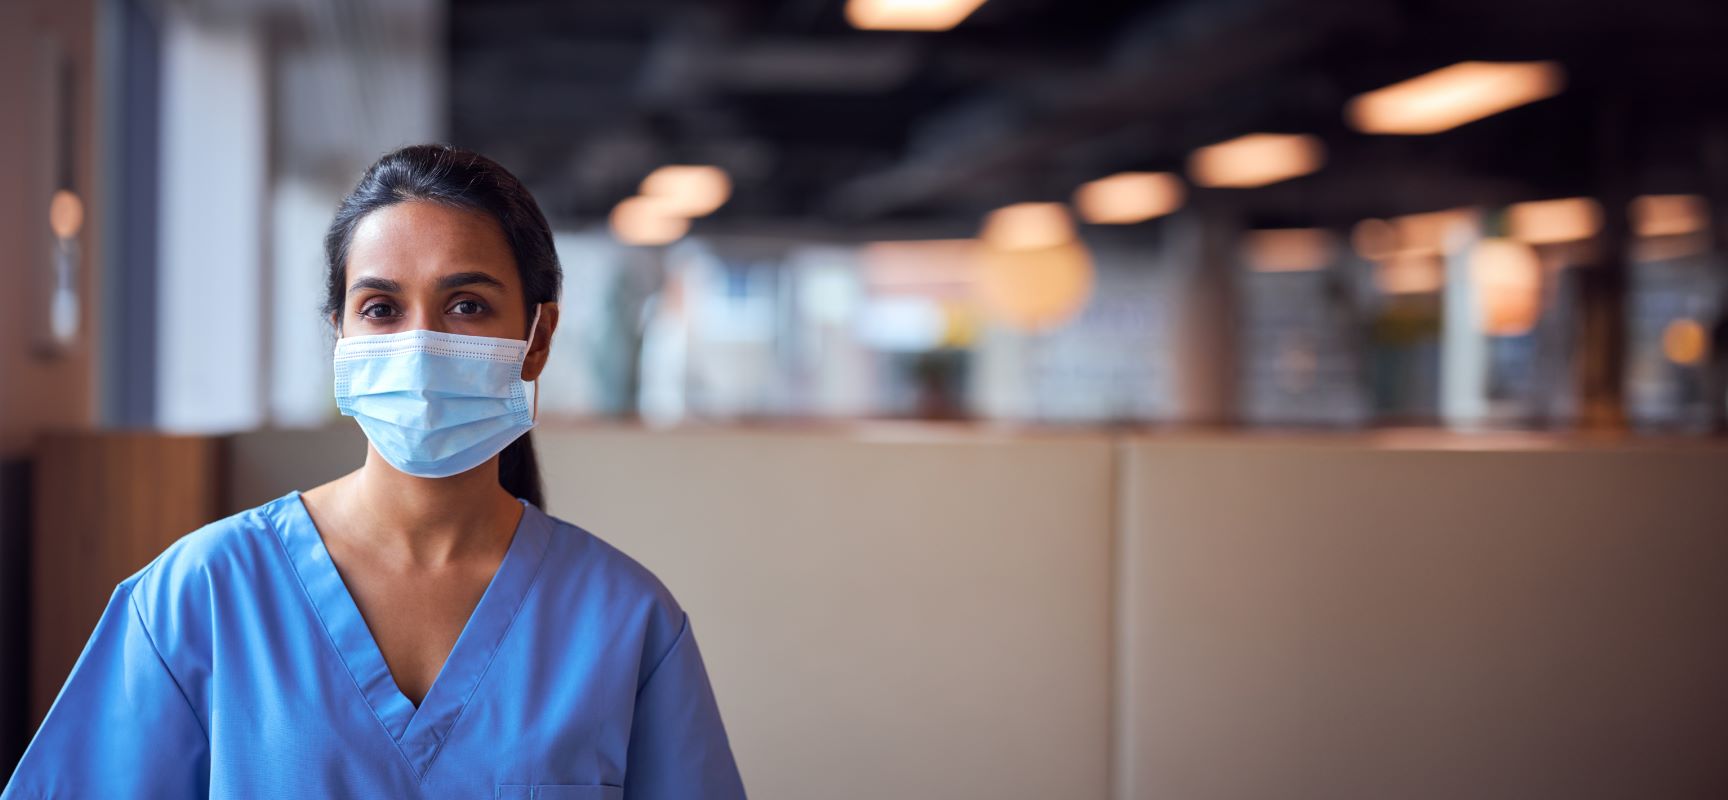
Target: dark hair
x,y
468,180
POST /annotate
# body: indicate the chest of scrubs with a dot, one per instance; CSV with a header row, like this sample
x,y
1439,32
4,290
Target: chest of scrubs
x,y
238,665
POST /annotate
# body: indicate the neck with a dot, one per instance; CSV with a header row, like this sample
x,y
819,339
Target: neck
x,y
430,521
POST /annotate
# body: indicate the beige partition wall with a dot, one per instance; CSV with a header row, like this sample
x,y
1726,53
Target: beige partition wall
x,y
1349,621
906,619
932,617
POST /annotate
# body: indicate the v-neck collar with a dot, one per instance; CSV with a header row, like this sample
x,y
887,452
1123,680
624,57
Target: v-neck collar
x,y
419,733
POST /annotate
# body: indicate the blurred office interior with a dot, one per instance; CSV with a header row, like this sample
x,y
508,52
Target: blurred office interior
x,y
1172,398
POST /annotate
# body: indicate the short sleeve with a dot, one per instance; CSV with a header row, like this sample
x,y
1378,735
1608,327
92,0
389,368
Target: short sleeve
x,y
678,747
121,726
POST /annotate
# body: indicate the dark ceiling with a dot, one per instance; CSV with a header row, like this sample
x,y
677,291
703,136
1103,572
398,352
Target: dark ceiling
x,y
846,130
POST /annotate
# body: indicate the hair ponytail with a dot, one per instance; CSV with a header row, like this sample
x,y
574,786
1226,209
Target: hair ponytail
x,y
519,471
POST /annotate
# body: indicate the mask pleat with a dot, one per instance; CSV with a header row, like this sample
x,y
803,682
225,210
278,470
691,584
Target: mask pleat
x,y
434,404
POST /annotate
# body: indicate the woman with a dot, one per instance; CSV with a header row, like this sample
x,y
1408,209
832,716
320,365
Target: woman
x,y
417,627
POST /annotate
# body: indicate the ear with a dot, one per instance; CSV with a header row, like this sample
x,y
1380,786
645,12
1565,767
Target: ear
x,y
535,362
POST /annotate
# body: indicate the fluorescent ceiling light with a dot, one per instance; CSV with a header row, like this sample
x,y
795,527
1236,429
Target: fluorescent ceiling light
x,y
688,190
1669,214
1257,159
1129,197
647,221
1554,221
1452,96
909,15
1028,226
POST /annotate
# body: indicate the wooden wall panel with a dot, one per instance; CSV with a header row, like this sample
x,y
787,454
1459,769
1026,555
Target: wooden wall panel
x,y
105,505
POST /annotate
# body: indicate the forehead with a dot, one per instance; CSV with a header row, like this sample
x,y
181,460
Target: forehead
x,y
420,240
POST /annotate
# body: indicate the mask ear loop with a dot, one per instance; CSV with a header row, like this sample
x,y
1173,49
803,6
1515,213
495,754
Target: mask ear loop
x,y
533,329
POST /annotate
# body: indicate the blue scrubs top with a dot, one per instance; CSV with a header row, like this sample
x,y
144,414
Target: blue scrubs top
x,y
237,665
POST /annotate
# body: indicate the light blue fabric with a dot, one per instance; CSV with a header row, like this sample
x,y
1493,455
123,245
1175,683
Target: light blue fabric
x,y
237,665
435,404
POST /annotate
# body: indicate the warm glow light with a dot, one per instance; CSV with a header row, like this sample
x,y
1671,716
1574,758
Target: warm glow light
x,y
1435,232
1669,214
647,221
909,15
689,190
1685,342
1447,98
1032,272
1553,221
1374,239
65,214
1409,250
1129,197
1508,281
1034,289
1410,272
1289,250
1028,226
1256,159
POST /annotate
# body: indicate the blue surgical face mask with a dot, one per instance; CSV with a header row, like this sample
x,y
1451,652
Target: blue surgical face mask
x,y
436,404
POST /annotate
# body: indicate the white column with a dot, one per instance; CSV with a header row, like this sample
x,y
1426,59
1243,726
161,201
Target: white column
x,y
1463,347
214,160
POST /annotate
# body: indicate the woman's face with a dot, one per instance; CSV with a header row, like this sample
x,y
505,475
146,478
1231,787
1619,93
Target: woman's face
x,y
421,265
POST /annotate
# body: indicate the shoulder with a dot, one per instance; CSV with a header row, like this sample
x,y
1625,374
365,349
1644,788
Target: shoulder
x,y
578,557
582,570
227,552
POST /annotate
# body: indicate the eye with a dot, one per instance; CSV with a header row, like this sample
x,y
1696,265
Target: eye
x,y
468,307
378,311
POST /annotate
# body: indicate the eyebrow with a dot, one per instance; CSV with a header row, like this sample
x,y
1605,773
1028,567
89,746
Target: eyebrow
x,y
375,284
454,280
459,279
